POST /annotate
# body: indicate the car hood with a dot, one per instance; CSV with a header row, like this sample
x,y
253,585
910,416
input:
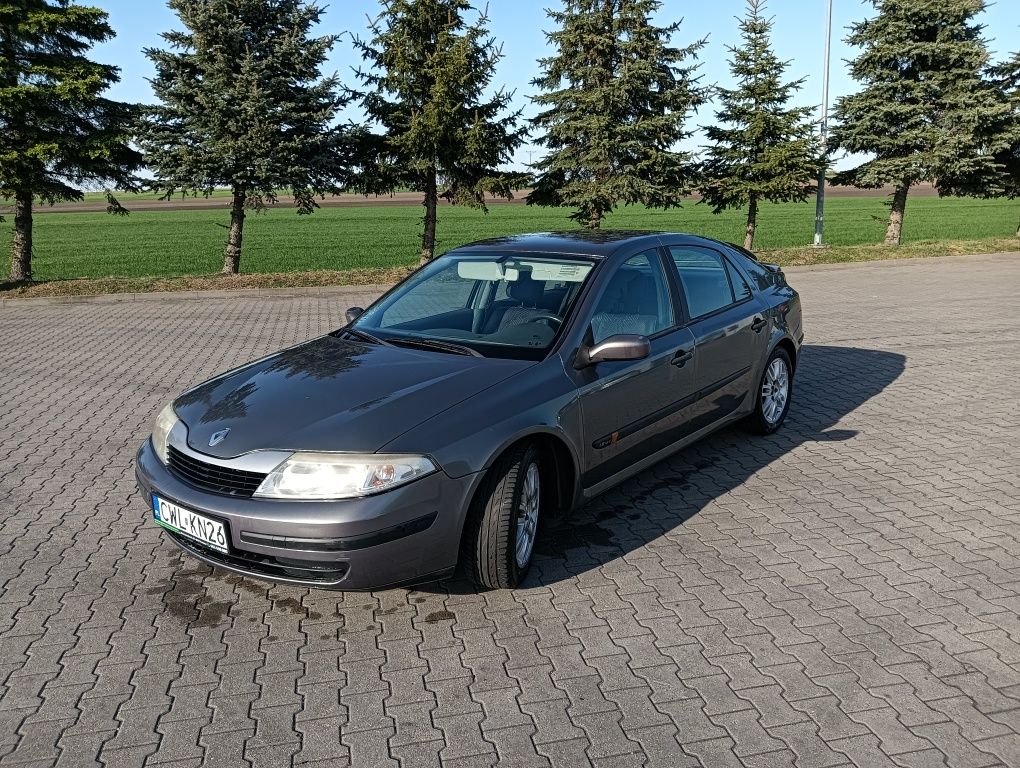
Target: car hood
x,y
330,394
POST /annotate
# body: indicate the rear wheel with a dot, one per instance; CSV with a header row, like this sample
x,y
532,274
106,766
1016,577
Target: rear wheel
x,y
503,522
772,400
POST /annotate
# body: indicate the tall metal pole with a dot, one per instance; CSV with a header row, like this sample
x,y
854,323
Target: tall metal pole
x,y
820,200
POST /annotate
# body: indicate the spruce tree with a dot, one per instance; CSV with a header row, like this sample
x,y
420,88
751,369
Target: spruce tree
x,y
243,105
425,87
1006,81
762,149
615,99
923,112
57,131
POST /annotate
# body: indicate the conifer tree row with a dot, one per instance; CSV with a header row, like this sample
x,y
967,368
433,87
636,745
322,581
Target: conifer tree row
x,y
242,103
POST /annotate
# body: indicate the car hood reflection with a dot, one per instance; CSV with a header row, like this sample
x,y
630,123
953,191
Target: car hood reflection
x,y
333,395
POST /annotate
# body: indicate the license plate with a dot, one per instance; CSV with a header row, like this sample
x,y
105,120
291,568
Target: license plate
x,y
202,529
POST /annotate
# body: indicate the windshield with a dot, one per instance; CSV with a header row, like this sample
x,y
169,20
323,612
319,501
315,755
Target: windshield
x,y
496,305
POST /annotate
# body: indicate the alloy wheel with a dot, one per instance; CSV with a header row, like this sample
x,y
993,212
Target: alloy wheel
x,y
775,390
527,515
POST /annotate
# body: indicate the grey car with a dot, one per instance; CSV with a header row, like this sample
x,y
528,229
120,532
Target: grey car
x,y
501,384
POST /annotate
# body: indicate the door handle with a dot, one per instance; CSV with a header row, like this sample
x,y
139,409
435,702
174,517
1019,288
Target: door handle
x,y
680,358
758,323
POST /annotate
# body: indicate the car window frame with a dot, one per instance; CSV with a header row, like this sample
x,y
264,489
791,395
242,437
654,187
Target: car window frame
x,y
730,262
675,274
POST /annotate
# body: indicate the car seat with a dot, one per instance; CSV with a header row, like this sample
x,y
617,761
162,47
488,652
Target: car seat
x,y
631,304
524,304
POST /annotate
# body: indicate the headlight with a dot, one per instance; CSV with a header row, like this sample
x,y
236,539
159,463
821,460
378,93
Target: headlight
x,y
161,430
341,476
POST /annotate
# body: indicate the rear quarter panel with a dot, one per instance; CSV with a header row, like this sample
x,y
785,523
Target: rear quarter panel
x,y
780,299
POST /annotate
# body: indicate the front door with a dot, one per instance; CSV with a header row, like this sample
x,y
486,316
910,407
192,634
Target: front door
x,y
628,408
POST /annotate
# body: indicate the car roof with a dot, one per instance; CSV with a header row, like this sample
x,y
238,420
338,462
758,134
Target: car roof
x,y
594,243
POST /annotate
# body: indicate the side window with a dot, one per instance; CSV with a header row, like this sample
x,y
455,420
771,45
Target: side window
x,y
741,290
761,276
704,279
635,300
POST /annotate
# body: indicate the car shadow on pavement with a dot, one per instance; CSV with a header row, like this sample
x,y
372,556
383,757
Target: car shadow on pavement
x,y
831,382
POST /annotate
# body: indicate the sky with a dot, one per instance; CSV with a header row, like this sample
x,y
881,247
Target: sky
x,y
520,25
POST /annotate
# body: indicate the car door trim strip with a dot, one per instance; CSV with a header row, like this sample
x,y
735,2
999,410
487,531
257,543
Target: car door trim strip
x,y
646,421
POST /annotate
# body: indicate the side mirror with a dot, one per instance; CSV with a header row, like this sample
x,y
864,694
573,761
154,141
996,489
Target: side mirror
x,y
353,314
623,346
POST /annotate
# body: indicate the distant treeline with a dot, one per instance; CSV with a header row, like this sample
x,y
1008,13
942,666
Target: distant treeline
x,y
241,103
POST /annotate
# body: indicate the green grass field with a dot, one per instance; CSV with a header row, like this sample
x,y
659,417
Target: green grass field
x,y
190,242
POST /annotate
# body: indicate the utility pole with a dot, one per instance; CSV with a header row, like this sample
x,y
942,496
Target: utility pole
x,y
820,199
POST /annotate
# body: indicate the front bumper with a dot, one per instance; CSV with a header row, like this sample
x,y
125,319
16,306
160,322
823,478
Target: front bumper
x,y
407,535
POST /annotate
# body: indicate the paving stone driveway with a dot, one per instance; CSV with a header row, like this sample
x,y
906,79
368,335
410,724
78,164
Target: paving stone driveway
x,y
844,592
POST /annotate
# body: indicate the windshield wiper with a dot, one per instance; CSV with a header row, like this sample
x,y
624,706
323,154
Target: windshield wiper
x,y
441,346
359,334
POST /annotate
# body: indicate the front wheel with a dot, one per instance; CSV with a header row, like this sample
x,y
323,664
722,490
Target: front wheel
x,y
503,521
772,400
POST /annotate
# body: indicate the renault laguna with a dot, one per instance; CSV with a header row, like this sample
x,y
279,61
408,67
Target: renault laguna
x,y
502,383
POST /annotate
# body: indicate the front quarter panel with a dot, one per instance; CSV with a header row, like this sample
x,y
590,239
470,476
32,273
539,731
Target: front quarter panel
x,y
467,438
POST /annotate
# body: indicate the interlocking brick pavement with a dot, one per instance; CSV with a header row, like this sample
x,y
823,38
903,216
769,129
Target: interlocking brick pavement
x,y
845,592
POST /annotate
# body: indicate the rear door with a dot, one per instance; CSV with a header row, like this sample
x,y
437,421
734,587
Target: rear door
x,y
629,407
727,322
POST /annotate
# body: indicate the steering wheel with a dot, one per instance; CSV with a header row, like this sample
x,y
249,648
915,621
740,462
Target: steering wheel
x,y
547,316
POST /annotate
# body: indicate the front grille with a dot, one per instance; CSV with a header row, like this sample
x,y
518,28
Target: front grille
x,y
267,566
213,477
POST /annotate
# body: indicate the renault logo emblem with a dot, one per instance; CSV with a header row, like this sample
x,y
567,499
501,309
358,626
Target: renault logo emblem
x,y
218,437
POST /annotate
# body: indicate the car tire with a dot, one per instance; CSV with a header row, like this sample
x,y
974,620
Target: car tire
x,y
769,412
507,506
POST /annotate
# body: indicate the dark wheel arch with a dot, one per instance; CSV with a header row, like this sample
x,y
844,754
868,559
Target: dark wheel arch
x,y
490,545
557,466
561,464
